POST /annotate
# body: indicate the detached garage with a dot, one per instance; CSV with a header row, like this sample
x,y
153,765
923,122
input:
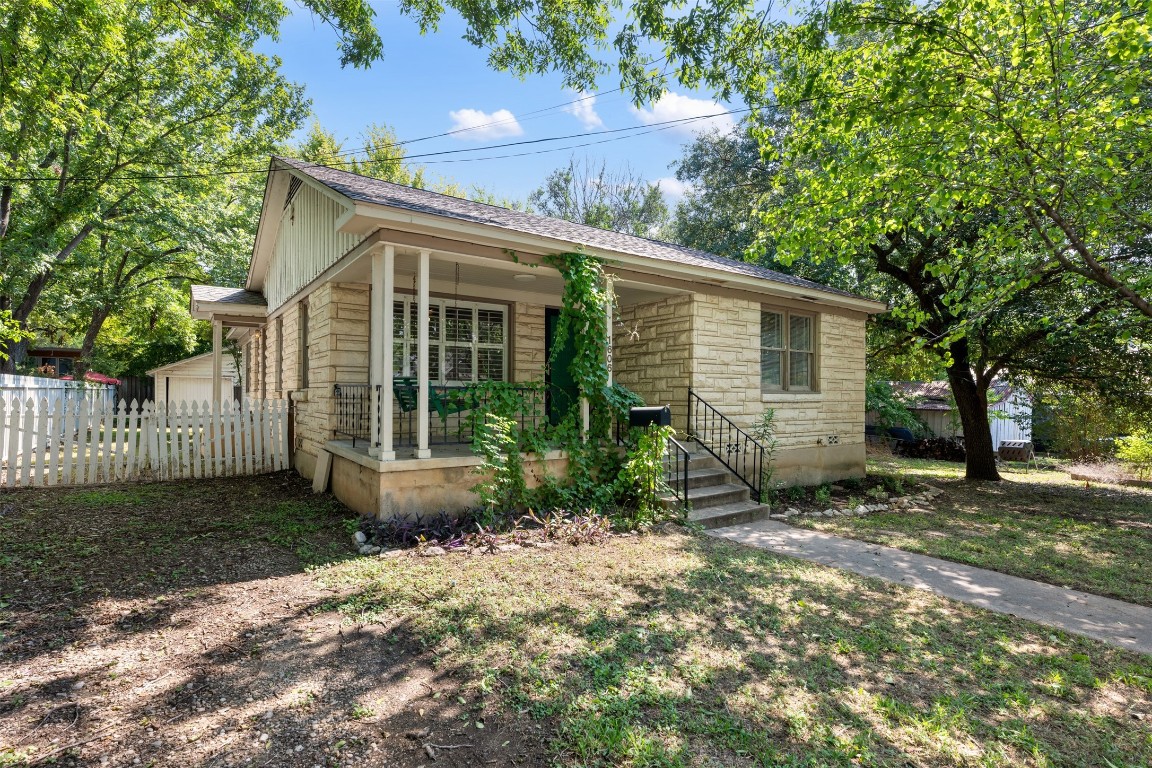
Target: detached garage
x,y
191,380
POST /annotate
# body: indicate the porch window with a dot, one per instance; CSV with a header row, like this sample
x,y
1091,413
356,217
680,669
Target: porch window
x,y
787,352
467,342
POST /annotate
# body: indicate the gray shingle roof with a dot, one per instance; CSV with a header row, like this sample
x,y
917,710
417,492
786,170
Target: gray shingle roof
x,y
375,191
222,295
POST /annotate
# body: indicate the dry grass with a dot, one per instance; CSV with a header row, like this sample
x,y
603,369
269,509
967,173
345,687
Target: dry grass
x,y
221,623
1092,536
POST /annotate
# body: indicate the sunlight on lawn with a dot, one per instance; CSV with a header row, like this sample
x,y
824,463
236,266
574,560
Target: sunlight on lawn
x,y
673,650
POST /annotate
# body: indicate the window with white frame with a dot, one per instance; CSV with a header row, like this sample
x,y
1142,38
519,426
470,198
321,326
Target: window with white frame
x,y
467,341
787,352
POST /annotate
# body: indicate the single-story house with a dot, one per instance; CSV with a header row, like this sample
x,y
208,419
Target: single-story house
x,y
1009,409
368,304
190,380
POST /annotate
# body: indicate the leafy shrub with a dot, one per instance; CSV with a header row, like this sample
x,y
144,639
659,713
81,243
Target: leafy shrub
x,y
823,494
889,408
1136,451
412,530
588,528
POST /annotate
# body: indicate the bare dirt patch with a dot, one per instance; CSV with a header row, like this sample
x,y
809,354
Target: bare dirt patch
x,y
176,625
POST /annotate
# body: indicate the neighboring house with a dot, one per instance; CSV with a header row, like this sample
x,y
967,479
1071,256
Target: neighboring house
x,y
190,380
62,359
355,283
1009,409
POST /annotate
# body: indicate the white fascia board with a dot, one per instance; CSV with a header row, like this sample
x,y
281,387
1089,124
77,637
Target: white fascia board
x,y
205,310
366,217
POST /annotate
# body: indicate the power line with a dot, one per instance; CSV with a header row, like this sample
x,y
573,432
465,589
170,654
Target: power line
x,y
636,130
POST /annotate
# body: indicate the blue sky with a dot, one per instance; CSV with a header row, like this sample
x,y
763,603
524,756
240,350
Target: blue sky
x,y
437,83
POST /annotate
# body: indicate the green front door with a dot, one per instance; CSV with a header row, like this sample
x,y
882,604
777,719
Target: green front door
x,y
562,390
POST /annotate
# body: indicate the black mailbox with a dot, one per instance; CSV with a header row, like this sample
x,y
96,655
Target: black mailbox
x,y
659,415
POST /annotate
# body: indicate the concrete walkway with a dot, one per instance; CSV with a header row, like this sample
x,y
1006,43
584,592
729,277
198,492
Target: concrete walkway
x,y
1120,624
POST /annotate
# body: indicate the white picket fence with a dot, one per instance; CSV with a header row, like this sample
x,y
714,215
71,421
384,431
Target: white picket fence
x,y
59,392
80,443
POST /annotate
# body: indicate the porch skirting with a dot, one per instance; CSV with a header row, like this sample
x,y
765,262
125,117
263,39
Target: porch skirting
x,y
401,487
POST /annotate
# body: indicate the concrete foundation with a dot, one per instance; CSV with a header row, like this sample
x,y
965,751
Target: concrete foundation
x,y
386,489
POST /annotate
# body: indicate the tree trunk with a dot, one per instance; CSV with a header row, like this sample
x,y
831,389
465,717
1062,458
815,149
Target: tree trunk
x,y
89,343
972,407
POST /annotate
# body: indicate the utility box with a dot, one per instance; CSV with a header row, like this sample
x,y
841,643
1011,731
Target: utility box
x,y
650,416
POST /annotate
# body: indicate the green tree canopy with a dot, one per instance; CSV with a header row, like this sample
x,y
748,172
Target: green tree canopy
x,y
594,195
105,106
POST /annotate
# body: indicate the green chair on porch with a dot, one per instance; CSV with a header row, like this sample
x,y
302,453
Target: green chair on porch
x,y
445,404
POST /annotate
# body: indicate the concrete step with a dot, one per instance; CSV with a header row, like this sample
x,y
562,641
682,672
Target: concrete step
x,y
709,476
724,515
717,495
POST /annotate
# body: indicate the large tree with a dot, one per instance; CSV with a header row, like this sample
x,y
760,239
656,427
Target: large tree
x,y
939,110
103,105
590,193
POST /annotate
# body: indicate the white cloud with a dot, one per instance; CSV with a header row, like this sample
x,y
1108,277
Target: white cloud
x,y
584,110
673,188
478,125
673,106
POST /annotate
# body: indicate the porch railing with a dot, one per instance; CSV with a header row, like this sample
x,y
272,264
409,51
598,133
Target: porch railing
x,y
736,449
456,412
352,411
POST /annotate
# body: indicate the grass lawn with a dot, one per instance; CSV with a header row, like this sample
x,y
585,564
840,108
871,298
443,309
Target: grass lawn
x,y
223,623
1040,525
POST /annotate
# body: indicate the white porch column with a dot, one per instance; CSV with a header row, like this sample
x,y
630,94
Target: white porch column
x,y
422,400
380,355
387,451
217,362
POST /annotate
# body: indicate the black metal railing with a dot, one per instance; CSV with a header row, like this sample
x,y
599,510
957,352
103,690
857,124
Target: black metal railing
x,y
352,411
455,412
675,463
736,449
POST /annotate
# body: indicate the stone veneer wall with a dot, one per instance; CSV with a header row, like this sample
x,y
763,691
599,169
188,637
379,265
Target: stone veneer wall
x,y
528,358
712,344
657,364
338,321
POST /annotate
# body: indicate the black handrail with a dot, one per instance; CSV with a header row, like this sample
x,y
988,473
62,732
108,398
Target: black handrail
x,y
736,449
676,470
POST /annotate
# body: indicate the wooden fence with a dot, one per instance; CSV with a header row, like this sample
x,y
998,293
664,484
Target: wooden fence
x,y
79,443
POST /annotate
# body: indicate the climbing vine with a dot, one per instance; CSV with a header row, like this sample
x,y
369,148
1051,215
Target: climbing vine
x,y
597,477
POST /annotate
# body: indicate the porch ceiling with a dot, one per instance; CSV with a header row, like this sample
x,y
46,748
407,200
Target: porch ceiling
x,y
491,279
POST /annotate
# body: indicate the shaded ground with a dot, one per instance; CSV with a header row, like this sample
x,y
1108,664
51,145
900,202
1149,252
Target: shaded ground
x,y
203,639
177,625
1038,525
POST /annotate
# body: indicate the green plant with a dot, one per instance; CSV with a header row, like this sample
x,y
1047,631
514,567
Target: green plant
x,y
1136,451
890,408
823,493
501,488
796,492
764,432
643,472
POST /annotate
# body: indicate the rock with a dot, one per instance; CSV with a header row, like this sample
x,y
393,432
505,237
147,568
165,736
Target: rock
x,y
361,537
791,511
433,551
838,489
829,513
861,509
368,549
777,517
508,547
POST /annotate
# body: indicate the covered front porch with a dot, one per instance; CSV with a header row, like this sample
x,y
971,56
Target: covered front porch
x,y
453,335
